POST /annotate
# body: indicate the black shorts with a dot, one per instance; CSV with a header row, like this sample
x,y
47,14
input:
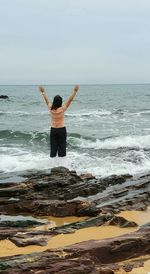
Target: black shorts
x,y
58,141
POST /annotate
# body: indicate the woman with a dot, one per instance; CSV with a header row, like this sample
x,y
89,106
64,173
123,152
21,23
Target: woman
x,y
58,132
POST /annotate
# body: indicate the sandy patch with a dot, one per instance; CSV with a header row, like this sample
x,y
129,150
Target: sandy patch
x,y
93,233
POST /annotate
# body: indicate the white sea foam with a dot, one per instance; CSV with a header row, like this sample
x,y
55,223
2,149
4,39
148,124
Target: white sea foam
x,y
106,166
11,150
24,161
131,162
139,142
90,113
145,112
23,113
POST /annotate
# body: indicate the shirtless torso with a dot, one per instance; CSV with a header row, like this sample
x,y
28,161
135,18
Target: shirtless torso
x,y
57,117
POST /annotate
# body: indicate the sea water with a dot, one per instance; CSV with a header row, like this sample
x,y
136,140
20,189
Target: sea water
x,y
108,129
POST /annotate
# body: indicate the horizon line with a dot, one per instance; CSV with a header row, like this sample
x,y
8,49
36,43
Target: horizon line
x,y
98,84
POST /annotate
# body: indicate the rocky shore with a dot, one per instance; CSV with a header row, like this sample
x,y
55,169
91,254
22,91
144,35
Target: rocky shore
x,y
25,204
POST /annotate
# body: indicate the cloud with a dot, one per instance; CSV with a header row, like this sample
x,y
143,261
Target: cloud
x,y
57,41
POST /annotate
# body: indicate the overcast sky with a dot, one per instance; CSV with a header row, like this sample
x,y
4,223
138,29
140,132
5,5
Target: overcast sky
x,y
74,41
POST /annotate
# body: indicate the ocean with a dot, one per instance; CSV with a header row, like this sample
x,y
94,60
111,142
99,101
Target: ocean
x,y
108,129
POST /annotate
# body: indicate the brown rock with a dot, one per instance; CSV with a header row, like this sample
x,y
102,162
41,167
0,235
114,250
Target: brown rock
x,y
64,193
99,256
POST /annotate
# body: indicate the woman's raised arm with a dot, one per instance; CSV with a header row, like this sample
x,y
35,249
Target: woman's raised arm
x,y
68,102
43,92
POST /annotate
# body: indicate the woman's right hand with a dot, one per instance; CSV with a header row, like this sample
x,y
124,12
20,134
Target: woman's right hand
x,y
76,88
42,90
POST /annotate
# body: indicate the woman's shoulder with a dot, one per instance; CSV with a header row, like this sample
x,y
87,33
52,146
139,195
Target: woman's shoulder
x,y
61,109
64,107
58,110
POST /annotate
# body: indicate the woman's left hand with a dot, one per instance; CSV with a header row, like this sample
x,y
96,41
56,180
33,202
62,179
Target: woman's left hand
x,y
76,88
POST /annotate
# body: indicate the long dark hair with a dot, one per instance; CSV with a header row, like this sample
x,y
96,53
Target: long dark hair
x,y
57,102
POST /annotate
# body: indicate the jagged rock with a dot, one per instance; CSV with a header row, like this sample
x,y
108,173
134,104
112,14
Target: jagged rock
x,y
100,256
145,226
19,221
4,97
87,176
41,237
108,219
34,240
7,232
64,193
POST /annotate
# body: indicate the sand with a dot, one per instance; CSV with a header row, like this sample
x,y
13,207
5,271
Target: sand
x,y
140,217
139,270
7,248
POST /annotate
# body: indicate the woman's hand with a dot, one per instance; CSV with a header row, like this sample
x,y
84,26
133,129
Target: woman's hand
x,y
42,90
76,88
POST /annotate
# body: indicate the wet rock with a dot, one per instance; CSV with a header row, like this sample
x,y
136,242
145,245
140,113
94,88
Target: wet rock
x,y
115,249
120,221
19,221
64,193
4,97
96,221
34,240
87,176
38,237
147,225
128,267
114,179
7,232
100,256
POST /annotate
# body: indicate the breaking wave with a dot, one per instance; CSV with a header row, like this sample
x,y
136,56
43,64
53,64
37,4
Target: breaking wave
x,y
129,163
135,142
79,141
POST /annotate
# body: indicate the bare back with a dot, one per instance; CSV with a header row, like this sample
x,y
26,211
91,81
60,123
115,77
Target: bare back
x,y
57,117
